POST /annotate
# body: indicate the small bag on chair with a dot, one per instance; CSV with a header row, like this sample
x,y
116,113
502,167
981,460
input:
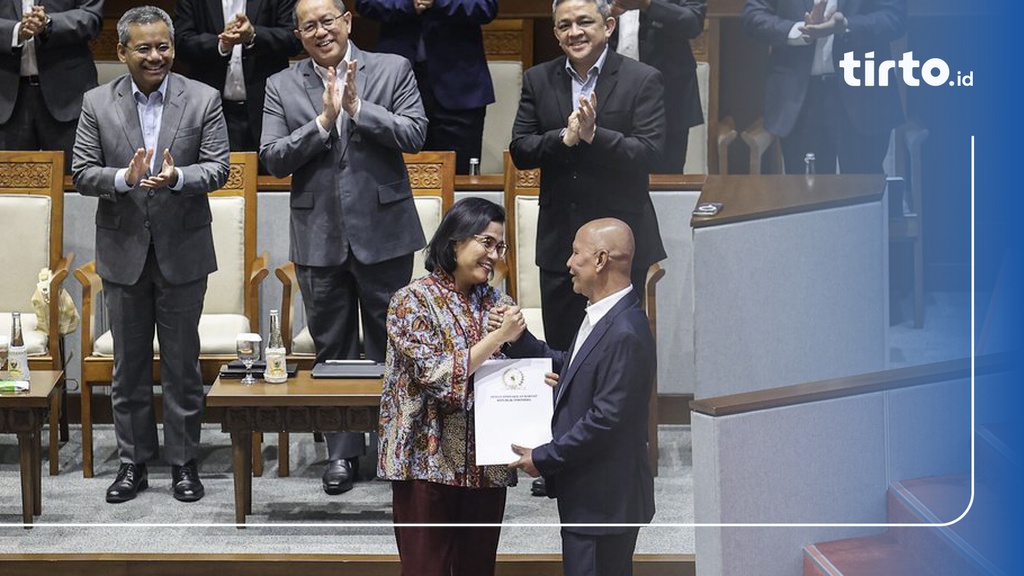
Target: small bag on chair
x,y
67,313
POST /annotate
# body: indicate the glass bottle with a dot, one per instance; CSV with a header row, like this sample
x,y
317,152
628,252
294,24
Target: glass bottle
x,y
277,371
17,354
809,164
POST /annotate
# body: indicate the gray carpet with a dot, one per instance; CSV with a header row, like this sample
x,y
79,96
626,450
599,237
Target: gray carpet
x,y
296,515
293,515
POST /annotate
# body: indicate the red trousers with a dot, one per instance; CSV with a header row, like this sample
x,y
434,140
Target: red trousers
x,y
446,550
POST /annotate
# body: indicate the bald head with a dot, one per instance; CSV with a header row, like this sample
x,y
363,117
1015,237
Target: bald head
x,y
602,257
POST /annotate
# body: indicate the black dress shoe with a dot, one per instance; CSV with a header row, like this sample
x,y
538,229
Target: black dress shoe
x,y
338,476
186,483
131,479
538,488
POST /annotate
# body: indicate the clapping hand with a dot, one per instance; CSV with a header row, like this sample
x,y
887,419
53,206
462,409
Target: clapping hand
x,y
138,166
421,5
331,101
238,31
32,23
167,177
350,100
588,117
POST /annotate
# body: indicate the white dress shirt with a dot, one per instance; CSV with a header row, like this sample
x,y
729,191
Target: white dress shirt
x,y
234,84
29,65
822,62
629,34
595,312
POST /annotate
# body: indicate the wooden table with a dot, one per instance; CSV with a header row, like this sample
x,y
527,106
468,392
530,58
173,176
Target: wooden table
x,y
302,404
24,414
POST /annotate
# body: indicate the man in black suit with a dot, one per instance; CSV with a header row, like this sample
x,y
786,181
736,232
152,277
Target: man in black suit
x,y
235,47
806,102
594,122
658,32
596,463
151,145
45,68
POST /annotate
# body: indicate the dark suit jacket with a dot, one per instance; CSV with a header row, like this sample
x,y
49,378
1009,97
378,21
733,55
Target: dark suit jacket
x,y
353,191
196,26
665,32
454,46
596,464
178,222
66,68
873,25
607,178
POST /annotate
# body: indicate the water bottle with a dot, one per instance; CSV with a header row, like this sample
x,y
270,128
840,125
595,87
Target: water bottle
x,y
17,354
276,371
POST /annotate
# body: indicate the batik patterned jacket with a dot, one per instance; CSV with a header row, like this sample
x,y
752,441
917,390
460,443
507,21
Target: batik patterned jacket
x,y
426,405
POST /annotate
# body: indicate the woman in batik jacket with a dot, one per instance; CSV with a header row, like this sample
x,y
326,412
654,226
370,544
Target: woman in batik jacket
x,y
437,339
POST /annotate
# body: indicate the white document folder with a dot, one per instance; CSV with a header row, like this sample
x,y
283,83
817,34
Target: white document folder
x,y
513,405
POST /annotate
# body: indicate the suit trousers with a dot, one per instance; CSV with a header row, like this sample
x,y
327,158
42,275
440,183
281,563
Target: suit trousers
x,y
445,550
458,130
598,555
825,129
32,127
562,309
335,299
173,310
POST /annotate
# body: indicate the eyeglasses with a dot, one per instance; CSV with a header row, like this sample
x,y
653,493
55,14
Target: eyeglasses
x,y
490,244
327,23
145,50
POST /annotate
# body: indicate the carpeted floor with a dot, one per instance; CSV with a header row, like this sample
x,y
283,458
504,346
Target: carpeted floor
x,y
293,515
290,515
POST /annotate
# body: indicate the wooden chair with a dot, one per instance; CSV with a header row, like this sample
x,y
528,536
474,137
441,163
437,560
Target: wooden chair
x,y
522,283
232,295
760,142
909,228
432,177
32,238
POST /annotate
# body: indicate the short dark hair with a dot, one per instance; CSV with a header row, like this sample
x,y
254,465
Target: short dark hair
x,y
139,16
466,218
339,4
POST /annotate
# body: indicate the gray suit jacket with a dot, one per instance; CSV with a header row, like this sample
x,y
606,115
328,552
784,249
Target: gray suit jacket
x,y
177,223
352,191
66,68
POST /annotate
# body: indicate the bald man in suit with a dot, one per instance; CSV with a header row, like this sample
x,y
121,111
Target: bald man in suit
x,y
596,462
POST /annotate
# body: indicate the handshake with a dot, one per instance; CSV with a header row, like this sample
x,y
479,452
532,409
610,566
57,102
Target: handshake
x,y
507,322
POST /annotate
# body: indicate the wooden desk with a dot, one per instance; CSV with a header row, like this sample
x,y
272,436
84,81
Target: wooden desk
x,y
24,415
302,404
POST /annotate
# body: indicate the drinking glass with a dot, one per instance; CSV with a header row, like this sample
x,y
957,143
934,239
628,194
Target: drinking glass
x,y
247,345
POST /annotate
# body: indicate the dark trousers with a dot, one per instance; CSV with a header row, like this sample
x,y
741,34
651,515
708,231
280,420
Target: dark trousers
x,y
824,129
443,550
242,135
173,310
673,155
562,309
458,130
32,127
335,298
598,555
